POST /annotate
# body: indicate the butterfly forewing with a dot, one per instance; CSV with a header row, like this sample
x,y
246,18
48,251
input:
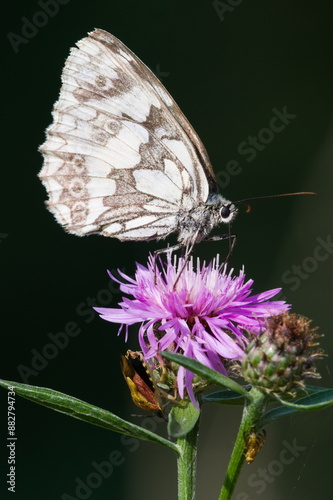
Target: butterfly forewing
x,y
120,159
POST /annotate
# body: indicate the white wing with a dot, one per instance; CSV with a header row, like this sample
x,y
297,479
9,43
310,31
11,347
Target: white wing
x,y
120,159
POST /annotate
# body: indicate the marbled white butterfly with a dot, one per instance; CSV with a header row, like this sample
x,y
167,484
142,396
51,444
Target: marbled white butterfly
x,y
120,158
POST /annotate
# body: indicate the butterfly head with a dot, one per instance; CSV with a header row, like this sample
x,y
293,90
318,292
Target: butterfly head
x,y
227,210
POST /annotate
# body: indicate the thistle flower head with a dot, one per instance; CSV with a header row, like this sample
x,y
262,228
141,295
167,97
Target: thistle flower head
x,y
282,356
204,313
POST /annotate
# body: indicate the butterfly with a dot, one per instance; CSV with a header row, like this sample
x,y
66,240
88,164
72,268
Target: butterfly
x,y
120,158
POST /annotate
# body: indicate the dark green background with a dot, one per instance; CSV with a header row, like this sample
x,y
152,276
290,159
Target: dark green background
x,y
227,76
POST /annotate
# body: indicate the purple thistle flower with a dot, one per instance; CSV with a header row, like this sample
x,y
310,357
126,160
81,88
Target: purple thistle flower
x,y
205,316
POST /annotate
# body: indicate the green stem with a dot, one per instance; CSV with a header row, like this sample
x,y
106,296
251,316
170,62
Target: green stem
x,y
186,464
253,411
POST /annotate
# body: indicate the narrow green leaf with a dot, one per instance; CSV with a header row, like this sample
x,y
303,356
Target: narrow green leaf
x,y
81,410
225,397
315,388
182,419
275,413
204,372
316,401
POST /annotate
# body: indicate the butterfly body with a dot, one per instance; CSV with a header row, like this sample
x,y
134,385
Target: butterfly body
x,y
120,158
195,225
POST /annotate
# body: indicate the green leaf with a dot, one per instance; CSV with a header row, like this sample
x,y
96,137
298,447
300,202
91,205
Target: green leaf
x,y
225,397
81,410
182,419
204,372
316,401
315,388
228,397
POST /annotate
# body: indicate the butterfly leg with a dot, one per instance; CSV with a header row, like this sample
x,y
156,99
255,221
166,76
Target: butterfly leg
x,y
187,250
168,249
232,241
186,257
161,251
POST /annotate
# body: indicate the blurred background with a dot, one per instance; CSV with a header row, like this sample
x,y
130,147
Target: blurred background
x,y
231,67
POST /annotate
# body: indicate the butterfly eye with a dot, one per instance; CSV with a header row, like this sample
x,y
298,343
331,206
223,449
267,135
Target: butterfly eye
x,y
225,211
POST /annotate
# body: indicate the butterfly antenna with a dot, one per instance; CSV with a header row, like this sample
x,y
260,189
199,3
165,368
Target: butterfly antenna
x,y
306,193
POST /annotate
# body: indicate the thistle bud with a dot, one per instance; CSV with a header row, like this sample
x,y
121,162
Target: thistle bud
x,y
280,358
